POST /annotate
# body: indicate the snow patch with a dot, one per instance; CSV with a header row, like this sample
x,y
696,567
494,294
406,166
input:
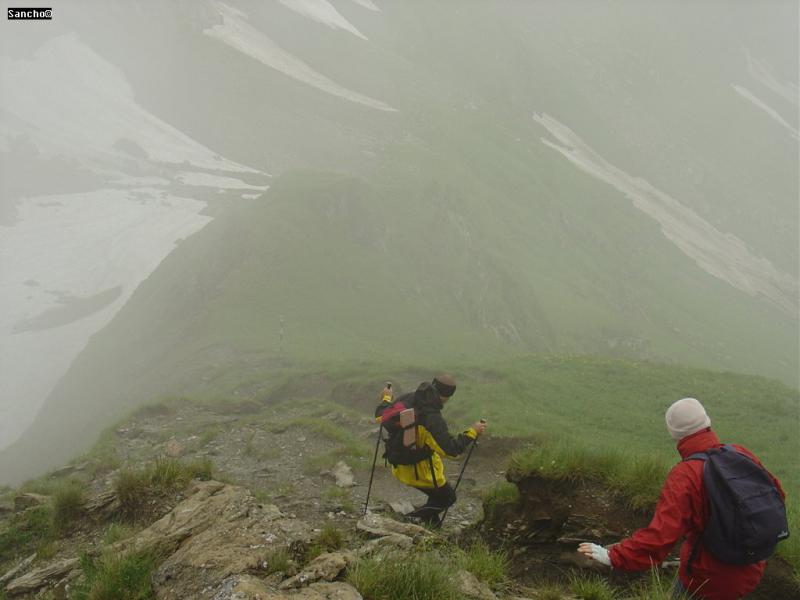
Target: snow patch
x,y
762,72
72,102
774,115
217,181
323,12
74,245
722,255
368,4
237,33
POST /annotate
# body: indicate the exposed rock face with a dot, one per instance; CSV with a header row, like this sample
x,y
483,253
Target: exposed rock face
x,y
218,542
20,567
218,531
28,500
222,532
51,574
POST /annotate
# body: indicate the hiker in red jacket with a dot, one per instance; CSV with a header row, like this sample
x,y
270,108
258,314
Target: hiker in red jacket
x,y
683,512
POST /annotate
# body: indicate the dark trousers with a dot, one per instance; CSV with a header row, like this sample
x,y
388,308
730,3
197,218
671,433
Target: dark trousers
x,y
439,499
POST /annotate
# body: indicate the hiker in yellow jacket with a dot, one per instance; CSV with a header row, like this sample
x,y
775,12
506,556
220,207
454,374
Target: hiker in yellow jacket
x,y
421,467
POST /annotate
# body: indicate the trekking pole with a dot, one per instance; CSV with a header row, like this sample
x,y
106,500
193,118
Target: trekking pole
x,y
460,475
372,474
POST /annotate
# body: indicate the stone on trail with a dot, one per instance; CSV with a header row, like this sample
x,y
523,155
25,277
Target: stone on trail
x,y
401,507
325,567
343,475
378,526
387,542
471,587
173,448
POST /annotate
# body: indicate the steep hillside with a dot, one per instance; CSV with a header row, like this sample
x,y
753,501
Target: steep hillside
x,y
577,182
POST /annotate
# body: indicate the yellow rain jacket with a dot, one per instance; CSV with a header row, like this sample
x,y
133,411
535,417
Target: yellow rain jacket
x,y
432,433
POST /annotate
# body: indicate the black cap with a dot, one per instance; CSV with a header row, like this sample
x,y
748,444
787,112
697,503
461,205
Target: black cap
x,y
444,385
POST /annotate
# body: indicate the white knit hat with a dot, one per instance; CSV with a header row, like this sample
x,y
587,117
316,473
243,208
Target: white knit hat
x,y
685,417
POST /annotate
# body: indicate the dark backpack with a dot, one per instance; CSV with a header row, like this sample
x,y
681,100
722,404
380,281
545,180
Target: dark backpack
x,y
397,453
748,515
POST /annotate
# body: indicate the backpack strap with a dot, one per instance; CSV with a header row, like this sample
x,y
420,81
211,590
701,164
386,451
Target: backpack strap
x,y
433,472
703,457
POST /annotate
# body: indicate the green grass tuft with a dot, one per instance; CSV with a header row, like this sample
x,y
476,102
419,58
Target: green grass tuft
x,y
69,500
202,469
117,577
330,538
421,576
549,592
116,532
25,532
592,587
135,487
486,564
655,587
278,561
636,480
132,488
503,493
167,473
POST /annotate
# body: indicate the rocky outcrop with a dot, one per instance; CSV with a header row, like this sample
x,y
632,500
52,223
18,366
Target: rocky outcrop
x,y
247,587
219,530
49,575
20,567
29,500
218,543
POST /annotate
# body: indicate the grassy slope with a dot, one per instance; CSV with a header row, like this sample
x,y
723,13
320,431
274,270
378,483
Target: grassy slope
x,y
619,405
366,272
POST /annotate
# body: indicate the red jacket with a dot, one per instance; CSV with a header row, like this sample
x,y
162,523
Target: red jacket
x,y
682,512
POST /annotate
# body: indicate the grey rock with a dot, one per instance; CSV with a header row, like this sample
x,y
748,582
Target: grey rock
x,y
29,500
386,543
471,587
378,526
343,475
326,567
48,575
401,507
20,567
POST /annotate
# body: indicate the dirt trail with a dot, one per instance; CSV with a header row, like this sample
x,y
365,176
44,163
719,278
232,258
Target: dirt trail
x,y
287,457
